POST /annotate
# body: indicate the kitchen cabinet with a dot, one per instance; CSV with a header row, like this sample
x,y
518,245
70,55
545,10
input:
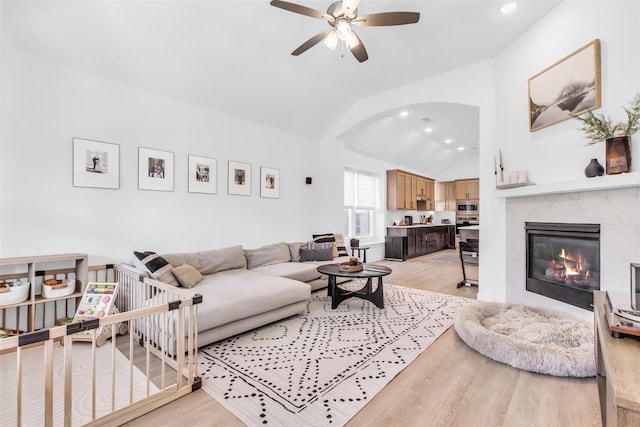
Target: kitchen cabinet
x,y
411,190
402,242
396,190
395,248
445,196
412,243
431,194
467,189
422,186
404,189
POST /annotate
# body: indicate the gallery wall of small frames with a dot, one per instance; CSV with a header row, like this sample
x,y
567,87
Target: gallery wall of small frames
x,y
96,164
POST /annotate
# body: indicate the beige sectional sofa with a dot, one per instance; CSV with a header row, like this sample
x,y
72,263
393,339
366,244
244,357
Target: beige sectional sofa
x,y
243,289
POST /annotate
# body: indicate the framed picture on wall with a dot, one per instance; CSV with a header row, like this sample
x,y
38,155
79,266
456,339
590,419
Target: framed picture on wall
x,y
567,88
155,169
269,183
239,178
202,175
95,164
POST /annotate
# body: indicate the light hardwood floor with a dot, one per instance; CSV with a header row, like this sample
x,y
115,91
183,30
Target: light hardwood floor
x,y
447,385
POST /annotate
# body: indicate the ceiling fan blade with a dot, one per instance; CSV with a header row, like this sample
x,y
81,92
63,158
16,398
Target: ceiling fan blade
x,y
302,10
359,51
311,42
386,19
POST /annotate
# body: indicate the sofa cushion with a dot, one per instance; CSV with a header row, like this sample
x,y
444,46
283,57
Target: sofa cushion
x,y
294,250
291,270
267,255
157,266
237,294
187,275
320,254
212,261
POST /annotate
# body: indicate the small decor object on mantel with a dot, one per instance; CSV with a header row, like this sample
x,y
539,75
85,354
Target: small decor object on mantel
x,y
598,128
593,169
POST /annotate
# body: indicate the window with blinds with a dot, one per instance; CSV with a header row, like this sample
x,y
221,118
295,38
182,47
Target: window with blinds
x,y
360,202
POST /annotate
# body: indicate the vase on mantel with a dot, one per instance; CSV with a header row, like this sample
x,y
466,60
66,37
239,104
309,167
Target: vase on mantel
x,y
618,153
593,169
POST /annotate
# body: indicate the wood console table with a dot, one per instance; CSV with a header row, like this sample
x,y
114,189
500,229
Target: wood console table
x,y
618,371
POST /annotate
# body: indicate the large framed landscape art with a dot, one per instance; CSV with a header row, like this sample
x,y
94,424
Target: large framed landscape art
x,y
565,89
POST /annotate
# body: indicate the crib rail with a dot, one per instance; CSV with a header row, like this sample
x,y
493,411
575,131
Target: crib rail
x,y
168,335
126,374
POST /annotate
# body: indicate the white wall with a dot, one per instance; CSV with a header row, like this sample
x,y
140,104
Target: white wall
x,y
559,152
45,105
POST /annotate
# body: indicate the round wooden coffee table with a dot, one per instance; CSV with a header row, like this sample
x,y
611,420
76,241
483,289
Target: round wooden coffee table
x,y
369,272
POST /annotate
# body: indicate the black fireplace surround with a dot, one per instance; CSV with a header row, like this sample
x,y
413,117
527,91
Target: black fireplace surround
x,y
563,261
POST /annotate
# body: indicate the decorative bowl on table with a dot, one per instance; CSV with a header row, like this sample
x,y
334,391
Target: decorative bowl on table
x,y
14,292
53,288
350,267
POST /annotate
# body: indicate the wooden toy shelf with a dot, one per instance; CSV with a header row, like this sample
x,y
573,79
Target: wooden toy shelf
x,y
38,268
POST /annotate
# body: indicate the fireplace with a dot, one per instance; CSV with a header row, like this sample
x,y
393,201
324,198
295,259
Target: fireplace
x,y
563,261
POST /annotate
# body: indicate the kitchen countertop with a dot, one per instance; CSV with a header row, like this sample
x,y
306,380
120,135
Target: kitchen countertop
x,y
418,225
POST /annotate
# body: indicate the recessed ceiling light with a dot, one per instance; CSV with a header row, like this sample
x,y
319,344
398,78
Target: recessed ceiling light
x,y
460,148
447,141
428,130
404,114
509,7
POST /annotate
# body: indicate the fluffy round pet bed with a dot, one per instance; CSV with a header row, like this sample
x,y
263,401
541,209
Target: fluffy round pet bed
x,y
529,338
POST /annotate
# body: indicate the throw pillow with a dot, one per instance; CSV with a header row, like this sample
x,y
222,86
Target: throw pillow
x,y
324,245
294,250
157,266
340,250
187,275
323,238
320,254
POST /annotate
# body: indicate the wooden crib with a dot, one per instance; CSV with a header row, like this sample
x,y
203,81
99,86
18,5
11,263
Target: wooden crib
x,y
49,378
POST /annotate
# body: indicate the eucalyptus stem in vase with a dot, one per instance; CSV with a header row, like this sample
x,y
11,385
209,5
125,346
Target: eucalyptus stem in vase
x,y
598,127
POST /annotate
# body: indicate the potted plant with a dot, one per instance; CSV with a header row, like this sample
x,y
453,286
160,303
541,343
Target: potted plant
x,y
599,128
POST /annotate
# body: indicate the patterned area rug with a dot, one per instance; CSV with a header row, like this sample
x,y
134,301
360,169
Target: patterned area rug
x,y
321,367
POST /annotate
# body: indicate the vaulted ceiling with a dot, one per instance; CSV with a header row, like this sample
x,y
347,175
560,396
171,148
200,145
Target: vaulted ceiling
x,y
234,56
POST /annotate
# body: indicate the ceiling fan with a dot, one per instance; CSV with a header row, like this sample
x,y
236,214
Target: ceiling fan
x,y
341,15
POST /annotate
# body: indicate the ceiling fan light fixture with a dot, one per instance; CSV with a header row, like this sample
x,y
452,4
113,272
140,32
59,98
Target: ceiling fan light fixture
x,y
352,41
331,41
343,28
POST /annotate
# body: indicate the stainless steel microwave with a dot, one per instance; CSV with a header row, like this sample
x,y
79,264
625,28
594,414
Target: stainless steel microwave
x,y
468,206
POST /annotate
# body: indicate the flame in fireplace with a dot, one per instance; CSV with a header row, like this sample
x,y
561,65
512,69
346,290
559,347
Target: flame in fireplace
x,y
570,269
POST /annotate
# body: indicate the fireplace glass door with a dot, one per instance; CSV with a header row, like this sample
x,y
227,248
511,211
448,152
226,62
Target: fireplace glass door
x,y
563,261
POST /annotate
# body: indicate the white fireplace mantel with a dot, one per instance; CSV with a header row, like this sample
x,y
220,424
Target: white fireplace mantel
x,y
606,182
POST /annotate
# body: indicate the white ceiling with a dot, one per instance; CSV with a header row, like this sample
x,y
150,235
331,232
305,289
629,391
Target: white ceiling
x,y
234,56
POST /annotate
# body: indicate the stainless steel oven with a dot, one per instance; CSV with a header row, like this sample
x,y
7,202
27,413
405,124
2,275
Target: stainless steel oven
x,y
467,206
466,221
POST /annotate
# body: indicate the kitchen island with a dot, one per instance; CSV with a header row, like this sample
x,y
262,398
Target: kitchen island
x,y
408,241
